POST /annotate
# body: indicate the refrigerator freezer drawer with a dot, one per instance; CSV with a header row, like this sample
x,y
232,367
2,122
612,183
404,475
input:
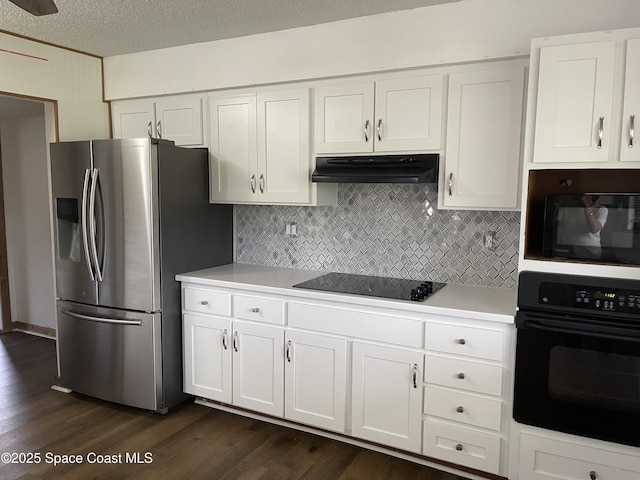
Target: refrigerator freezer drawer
x,y
111,354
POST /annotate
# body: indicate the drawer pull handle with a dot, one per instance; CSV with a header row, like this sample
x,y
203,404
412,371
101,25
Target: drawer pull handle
x,y
459,447
461,376
235,341
255,310
460,409
288,353
593,475
204,302
415,375
225,339
462,341
600,132
632,119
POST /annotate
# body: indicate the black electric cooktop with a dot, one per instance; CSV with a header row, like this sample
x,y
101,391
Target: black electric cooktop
x,y
385,287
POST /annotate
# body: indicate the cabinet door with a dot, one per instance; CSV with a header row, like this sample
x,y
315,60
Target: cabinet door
x,y
133,119
233,149
207,357
575,95
180,119
387,396
408,114
316,380
258,368
483,139
283,147
344,118
630,149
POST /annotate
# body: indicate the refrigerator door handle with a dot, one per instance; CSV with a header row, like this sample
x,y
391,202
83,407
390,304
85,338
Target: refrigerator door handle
x,y
92,224
136,322
85,239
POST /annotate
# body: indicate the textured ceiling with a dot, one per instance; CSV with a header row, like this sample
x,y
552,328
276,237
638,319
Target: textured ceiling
x,y
116,27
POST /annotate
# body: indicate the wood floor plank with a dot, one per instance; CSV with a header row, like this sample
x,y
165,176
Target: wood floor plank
x,y
191,442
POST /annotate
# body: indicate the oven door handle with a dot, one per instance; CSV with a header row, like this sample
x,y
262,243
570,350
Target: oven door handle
x,y
600,332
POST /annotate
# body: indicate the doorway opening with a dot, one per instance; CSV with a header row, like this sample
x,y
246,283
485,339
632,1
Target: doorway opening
x,y
27,281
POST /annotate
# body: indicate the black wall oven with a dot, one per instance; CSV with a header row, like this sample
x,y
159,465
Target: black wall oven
x,y
578,355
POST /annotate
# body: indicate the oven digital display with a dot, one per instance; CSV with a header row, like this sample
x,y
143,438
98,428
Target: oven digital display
x,y
604,295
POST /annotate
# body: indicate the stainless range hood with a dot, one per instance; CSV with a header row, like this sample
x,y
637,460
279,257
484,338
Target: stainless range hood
x,y
422,168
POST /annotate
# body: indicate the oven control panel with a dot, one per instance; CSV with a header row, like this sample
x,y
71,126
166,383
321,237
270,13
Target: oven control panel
x,y
589,298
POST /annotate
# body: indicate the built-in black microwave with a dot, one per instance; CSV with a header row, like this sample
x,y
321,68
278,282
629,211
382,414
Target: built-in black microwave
x,y
594,227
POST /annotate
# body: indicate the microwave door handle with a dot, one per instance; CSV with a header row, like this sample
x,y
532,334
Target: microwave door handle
x,y
85,233
599,332
92,224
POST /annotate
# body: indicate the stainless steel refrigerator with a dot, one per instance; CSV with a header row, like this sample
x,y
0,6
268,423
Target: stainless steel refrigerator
x,y
128,216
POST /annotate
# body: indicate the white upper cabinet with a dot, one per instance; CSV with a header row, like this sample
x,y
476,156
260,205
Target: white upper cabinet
x,y
260,150
574,116
133,118
178,118
482,162
385,116
630,149
283,146
234,150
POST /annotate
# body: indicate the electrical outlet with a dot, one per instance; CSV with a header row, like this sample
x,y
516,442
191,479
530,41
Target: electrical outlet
x,y
291,229
490,241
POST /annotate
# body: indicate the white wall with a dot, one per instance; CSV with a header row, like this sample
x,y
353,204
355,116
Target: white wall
x,y
470,30
27,217
72,79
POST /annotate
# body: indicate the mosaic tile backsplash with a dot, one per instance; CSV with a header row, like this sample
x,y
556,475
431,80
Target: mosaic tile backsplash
x,y
386,230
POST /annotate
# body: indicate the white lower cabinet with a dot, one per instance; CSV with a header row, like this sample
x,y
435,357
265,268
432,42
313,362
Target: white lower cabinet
x,y
435,388
387,395
316,380
234,362
258,368
207,357
543,458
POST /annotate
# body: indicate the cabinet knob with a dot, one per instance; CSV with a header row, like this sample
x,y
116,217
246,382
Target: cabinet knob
x,y
461,376
254,310
204,302
462,341
593,475
460,409
459,447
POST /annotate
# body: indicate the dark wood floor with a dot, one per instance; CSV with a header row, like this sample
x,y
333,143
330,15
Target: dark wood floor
x,y
192,441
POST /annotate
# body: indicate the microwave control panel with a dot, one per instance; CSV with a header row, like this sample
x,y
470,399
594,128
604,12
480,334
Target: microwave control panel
x,y
589,298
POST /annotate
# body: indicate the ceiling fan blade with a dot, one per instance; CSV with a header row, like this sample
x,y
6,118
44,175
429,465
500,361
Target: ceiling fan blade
x,y
37,7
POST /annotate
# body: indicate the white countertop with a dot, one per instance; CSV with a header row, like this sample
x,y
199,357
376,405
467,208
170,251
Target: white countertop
x,y
480,303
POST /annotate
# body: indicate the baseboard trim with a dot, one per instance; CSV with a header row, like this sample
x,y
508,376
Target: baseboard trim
x,y
34,330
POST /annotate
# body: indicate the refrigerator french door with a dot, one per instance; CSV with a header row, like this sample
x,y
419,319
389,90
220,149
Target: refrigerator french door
x,y
129,215
108,249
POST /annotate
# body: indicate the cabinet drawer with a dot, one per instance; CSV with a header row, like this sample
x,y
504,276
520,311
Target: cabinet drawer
x,y
463,407
259,309
461,446
545,458
461,340
361,324
207,301
463,374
